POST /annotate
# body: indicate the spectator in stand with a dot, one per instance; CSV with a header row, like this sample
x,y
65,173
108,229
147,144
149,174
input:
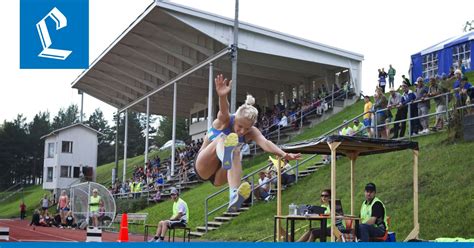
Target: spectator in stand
x,y
22,210
423,105
368,115
451,72
407,98
382,79
461,66
359,129
346,129
380,116
406,81
284,120
461,88
434,90
393,101
63,204
263,190
287,176
179,218
45,202
391,76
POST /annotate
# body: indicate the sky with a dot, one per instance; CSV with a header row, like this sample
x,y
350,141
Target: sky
x,y
384,32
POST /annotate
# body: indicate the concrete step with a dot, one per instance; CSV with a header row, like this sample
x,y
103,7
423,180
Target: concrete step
x,y
223,219
229,214
196,234
242,209
214,223
203,228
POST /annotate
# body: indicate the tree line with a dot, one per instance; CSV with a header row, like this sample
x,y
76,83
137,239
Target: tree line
x,y
22,149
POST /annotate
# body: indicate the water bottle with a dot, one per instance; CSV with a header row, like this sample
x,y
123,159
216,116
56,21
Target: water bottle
x,y
293,210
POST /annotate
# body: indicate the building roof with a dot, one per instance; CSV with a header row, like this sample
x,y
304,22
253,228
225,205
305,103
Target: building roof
x,y
55,132
449,42
168,39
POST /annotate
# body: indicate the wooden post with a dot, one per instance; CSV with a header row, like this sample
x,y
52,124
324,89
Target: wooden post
x,y
353,156
279,227
333,146
416,226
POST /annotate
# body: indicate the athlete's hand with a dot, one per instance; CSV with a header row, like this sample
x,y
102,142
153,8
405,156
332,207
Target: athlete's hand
x,y
223,86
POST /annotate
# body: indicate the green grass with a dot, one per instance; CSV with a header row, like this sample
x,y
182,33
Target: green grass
x,y
446,180
31,195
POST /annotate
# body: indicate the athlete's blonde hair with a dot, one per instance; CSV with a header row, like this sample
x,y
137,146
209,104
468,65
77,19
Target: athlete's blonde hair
x,y
248,111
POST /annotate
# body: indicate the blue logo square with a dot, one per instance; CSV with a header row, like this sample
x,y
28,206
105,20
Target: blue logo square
x,y
54,34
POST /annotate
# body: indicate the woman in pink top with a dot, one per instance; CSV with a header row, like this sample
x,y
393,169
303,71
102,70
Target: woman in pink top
x,y
63,205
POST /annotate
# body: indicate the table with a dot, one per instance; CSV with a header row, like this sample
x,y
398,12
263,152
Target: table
x,y
321,218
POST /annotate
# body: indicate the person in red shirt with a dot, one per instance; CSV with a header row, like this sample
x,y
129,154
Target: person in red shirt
x,y
22,210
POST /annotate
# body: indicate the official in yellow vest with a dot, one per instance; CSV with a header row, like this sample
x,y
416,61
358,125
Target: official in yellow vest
x,y
373,215
94,204
179,218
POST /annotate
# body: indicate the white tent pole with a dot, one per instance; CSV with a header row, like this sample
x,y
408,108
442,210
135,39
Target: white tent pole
x,y
173,152
209,98
147,130
125,147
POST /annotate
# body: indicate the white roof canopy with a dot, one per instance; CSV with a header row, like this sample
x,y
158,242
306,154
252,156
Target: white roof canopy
x,y
167,39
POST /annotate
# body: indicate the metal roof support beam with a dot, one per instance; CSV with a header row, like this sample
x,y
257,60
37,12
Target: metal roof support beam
x,y
140,66
167,50
128,74
114,88
203,50
128,85
218,55
99,95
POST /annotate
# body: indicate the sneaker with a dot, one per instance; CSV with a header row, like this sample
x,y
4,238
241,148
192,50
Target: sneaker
x,y
152,240
242,193
231,141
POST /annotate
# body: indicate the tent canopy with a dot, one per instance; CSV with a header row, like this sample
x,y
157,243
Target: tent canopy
x,y
349,144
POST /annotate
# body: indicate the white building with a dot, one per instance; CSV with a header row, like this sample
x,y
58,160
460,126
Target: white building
x,y
70,153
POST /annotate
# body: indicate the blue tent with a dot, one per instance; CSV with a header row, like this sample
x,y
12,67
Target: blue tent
x,y
437,59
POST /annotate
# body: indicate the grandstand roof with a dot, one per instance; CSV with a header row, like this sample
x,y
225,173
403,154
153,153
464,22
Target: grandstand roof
x,y
350,144
167,39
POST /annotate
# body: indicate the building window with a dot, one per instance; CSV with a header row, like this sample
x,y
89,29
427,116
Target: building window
x,y
462,53
66,147
430,65
65,171
50,150
49,174
77,172
202,115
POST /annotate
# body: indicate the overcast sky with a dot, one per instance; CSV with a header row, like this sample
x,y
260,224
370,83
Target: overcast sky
x,y
385,32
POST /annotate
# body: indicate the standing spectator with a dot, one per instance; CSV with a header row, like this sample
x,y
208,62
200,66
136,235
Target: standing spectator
x,y
402,111
380,114
423,105
406,81
44,204
434,90
179,218
393,101
22,210
391,76
461,87
368,115
63,205
382,79
94,204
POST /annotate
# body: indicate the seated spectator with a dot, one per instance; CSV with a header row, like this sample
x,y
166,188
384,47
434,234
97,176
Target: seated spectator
x,y
35,219
346,130
284,121
287,176
178,219
70,221
157,196
359,129
263,190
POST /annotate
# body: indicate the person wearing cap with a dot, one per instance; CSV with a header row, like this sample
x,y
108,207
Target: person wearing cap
x,y
380,105
94,204
359,129
423,106
461,88
179,218
373,215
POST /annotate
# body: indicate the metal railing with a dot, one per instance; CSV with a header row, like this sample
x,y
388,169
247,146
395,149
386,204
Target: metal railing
x,y
208,212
